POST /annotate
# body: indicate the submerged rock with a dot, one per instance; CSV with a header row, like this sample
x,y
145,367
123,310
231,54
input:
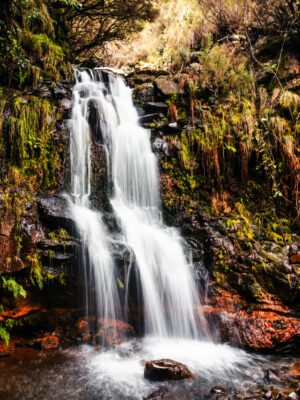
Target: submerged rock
x,y
165,393
272,377
166,369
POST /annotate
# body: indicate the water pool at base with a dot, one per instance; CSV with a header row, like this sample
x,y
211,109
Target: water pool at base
x,y
86,373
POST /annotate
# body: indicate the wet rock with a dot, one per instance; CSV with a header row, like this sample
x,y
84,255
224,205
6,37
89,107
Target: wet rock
x,y
112,332
295,370
218,390
158,394
4,350
95,119
147,72
156,107
259,330
147,118
47,342
42,91
272,377
54,212
165,393
66,104
166,369
161,146
168,129
144,92
167,87
61,91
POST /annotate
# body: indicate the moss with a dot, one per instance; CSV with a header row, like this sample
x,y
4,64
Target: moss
x,y
31,151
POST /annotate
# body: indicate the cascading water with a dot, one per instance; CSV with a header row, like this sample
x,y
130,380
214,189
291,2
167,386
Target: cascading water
x,y
168,288
96,256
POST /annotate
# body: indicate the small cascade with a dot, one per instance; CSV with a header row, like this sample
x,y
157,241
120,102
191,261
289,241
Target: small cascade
x,y
170,296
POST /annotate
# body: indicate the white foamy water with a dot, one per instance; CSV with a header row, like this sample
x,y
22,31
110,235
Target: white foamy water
x,y
167,284
97,260
121,370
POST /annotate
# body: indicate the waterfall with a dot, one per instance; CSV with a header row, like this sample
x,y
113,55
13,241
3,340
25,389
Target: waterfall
x,y
170,296
98,264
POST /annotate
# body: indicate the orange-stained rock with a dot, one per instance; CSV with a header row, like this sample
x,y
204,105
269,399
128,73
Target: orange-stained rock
x,y
20,311
7,350
112,332
4,350
269,327
294,259
295,370
87,337
260,330
48,342
81,324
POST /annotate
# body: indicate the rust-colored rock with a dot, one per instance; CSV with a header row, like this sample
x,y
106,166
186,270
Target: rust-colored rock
x,y
48,342
295,370
270,327
295,258
112,332
4,350
165,369
81,324
260,330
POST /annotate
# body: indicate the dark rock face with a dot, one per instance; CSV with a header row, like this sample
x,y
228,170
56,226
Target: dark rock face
x,y
144,92
95,122
156,107
54,212
165,369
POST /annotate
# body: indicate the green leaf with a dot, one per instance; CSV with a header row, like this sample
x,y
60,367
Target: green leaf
x,y
120,283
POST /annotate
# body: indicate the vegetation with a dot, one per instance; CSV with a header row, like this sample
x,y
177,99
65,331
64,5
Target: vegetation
x,y
94,23
235,63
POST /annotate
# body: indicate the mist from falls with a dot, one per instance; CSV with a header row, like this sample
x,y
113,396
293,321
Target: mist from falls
x,y
170,296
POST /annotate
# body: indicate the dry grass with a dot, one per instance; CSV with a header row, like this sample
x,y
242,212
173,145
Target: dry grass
x,y
174,32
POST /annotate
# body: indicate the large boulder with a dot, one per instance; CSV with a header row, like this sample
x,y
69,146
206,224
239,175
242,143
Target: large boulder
x,y
166,369
167,87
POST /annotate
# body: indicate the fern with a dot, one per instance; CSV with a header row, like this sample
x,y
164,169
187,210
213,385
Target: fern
x,y
12,286
4,335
